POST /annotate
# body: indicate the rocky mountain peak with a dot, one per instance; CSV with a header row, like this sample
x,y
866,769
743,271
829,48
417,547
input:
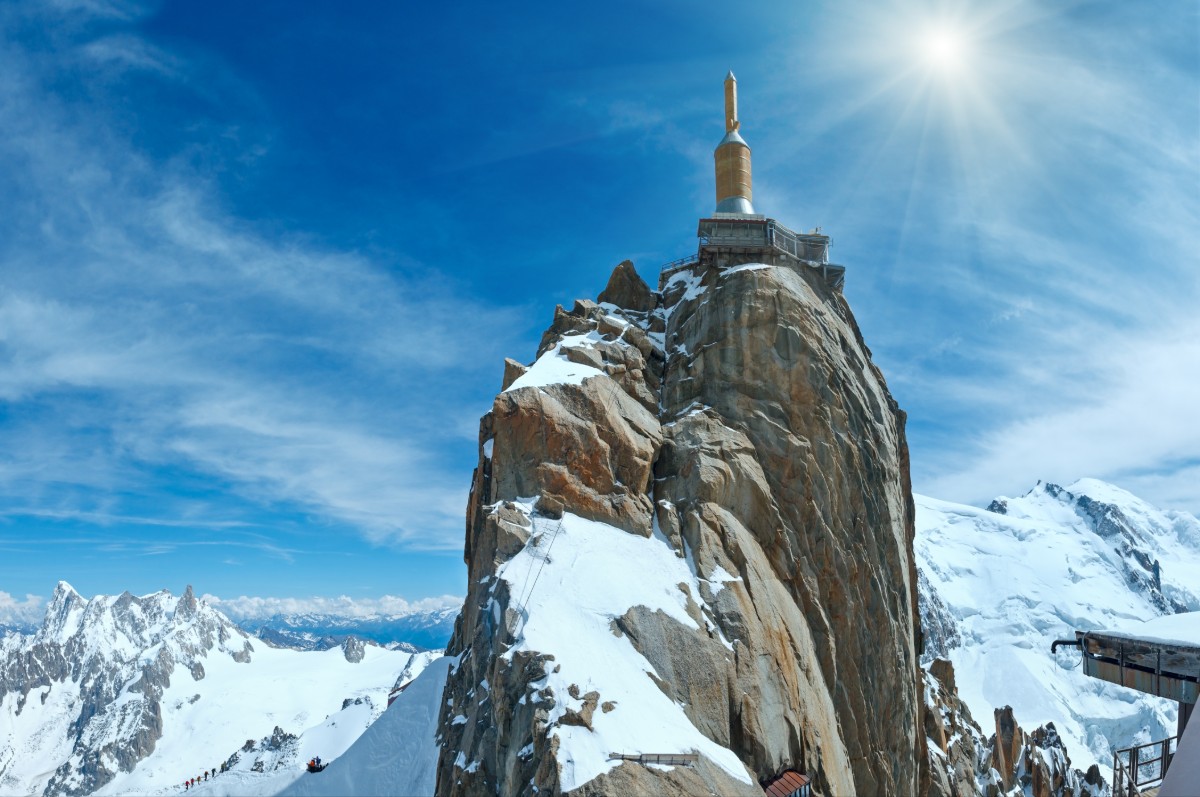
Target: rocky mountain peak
x,y
188,605
94,656
62,612
691,512
627,290
1133,530
62,590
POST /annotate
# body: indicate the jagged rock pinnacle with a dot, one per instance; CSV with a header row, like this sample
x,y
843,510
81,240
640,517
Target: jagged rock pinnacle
x,y
732,430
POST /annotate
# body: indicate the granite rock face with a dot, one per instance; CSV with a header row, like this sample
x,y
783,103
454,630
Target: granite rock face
x,y
737,423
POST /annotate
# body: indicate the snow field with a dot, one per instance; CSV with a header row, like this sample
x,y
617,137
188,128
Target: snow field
x,y
1018,581
205,721
587,574
38,740
398,754
553,367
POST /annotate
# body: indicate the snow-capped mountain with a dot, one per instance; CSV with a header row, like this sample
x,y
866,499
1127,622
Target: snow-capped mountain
x,y
126,694
999,585
16,628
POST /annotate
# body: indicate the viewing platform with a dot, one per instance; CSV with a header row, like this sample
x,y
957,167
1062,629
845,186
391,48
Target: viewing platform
x,y
1159,657
731,239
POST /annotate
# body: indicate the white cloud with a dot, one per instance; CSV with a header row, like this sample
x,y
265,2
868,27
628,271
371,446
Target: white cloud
x,y
21,612
142,327
245,608
1135,428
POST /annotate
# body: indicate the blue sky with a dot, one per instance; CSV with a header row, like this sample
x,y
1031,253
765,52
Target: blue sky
x,y
260,263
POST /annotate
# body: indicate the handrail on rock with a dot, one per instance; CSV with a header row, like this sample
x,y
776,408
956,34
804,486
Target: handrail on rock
x,y
663,759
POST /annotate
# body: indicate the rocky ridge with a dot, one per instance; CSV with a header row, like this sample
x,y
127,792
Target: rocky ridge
x,y
1009,762
1134,539
724,451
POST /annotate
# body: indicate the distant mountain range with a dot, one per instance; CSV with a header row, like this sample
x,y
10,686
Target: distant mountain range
x,y
132,695
127,694
420,630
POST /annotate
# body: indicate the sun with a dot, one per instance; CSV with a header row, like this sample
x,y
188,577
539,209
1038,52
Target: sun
x,y
943,49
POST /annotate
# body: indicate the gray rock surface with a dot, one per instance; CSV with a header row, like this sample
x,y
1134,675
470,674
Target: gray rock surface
x,y
939,627
740,415
354,649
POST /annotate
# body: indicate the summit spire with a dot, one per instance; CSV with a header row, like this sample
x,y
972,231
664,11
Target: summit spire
x,y
732,158
731,120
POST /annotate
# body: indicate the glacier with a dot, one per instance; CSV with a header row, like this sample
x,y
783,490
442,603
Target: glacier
x,y
999,585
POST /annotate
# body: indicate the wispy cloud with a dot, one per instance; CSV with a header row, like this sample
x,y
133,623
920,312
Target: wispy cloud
x,y
21,612
144,329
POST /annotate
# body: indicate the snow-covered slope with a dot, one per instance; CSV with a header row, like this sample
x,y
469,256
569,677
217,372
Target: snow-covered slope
x,y
597,573
999,585
396,755
127,694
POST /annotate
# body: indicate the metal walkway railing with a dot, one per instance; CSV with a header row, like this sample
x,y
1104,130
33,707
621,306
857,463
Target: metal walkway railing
x,y
1134,770
663,759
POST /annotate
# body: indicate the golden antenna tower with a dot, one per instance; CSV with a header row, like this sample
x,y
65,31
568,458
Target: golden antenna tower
x,y
732,158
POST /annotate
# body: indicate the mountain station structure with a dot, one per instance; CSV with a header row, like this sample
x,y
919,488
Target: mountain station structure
x,y
735,233
1161,658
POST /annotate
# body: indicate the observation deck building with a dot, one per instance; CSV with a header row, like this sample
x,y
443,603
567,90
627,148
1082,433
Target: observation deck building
x,y
735,234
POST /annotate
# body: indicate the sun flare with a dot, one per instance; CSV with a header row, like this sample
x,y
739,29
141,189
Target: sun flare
x,y
943,48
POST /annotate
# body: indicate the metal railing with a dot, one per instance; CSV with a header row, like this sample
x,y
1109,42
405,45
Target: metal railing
x,y
686,260
746,235
798,245
1145,765
806,247
662,759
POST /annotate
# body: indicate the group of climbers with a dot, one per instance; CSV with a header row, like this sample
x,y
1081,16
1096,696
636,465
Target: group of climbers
x,y
190,782
314,765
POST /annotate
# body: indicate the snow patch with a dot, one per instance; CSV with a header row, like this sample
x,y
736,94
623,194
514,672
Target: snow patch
x,y
553,367
575,577
1173,629
691,282
719,578
744,267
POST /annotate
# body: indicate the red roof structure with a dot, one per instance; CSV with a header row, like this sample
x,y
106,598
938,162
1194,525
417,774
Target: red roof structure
x,y
788,783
